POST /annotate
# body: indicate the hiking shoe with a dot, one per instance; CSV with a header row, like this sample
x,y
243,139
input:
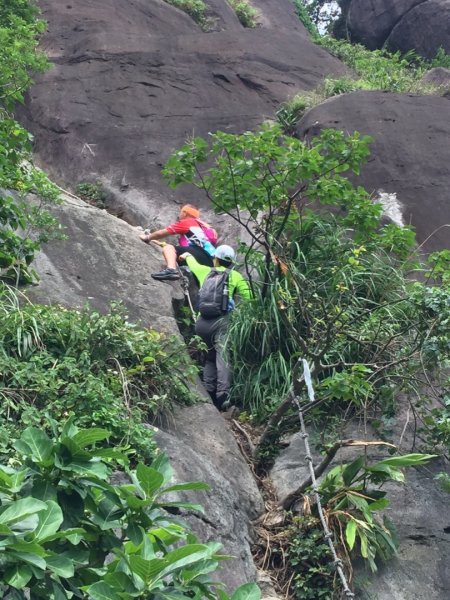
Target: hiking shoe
x,y
166,275
222,402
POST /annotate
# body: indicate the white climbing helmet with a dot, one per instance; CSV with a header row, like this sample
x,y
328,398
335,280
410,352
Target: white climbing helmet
x,y
225,252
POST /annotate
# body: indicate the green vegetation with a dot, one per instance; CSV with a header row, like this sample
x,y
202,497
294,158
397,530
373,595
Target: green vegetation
x,y
93,193
196,9
318,14
24,225
245,12
374,69
55,361
353,498
332,285
71,530
305,15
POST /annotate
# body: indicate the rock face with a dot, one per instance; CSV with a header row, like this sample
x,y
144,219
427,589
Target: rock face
x,y
131,79
410,154
103,260
422,25
440,78
201,448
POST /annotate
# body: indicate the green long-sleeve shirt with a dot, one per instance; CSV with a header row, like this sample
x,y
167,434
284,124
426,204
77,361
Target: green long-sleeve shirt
x,y
236,283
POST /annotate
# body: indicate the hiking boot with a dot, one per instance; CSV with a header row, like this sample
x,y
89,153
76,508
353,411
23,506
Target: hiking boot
x,y
222,402
166,275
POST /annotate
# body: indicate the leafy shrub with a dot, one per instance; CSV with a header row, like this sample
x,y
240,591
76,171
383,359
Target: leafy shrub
x,y
54,361
69,529
318,15
329,285
245,12
194,8
442,59
305,17
375,70
23,225
291,111
93,193
384,70
351,497
308,557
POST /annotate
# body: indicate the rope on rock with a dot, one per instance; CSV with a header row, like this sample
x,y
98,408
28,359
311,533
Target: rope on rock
x,y
308,458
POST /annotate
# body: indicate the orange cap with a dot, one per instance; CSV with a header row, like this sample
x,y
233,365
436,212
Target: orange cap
x,y
191,211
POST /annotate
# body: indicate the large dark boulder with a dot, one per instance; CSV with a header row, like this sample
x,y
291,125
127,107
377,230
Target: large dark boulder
x,y
131,79
401,25
410,153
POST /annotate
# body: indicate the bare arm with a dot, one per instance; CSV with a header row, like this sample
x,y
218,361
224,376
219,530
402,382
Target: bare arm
x,y
156,235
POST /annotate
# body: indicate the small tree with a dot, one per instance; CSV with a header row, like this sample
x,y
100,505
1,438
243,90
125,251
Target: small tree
x,y
332,285
23,226
330,280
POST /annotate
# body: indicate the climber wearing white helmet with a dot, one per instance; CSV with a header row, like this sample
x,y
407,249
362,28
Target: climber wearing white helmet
x,y
218,286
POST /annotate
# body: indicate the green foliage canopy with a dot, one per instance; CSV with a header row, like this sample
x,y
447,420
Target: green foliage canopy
x,y
331,280
55,361
69,530
24,226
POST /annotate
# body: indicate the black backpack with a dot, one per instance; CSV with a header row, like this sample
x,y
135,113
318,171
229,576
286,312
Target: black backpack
x,y
213,297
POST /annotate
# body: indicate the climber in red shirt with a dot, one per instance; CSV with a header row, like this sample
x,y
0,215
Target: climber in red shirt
x,y
195,235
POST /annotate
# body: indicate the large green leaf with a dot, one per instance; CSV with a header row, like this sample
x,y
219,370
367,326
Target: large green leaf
x,y
36,444
149,479
135,533
80,467
186,505
30,558
169,534
248,591
72,505
407,460
59,593
351,470
87,437
20,509
18,576
102,591
384,472
60,565
198,569
121,581
162,465
26,525
17,480
153,570
350,533
43,490
5,478
192,485
28,547
379,504
49,521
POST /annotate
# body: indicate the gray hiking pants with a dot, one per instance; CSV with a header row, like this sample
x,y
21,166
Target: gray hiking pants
x,y
216,373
